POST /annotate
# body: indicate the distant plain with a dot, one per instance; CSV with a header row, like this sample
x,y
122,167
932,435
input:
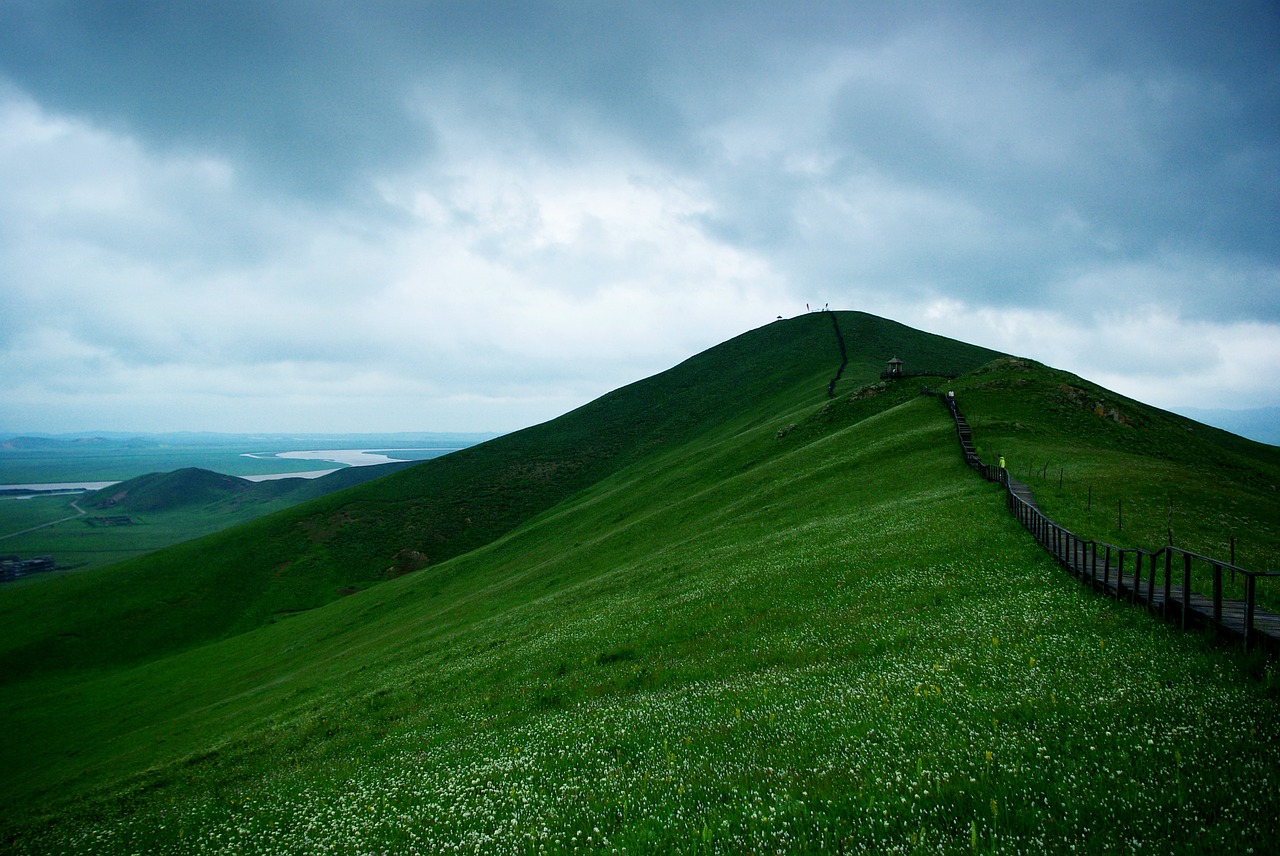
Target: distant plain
x,y
72,530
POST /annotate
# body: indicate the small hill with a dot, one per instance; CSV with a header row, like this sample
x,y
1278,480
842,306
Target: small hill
x,y
168,491
719,610
163,509
194,486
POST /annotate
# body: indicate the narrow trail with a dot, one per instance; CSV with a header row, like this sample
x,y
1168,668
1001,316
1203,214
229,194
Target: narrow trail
x,y
844,356
1139,576
74,504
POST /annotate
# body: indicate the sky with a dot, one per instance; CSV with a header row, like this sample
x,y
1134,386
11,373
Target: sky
x,y
321,216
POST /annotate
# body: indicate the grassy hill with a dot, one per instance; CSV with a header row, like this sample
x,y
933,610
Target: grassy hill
x,y
155,510
315,553
217,492
714,611
177,489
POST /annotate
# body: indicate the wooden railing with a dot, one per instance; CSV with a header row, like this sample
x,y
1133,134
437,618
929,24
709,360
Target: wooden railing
x,y
1124,573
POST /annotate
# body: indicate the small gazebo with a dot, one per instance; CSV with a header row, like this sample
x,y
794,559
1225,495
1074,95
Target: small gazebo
x,y
895,368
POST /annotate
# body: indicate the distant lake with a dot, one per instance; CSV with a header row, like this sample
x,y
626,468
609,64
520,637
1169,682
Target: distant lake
x,y
59,486
357,457
343,457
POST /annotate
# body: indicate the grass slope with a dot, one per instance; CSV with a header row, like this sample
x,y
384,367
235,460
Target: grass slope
x,y
1121,471
167,491
804,625
317,552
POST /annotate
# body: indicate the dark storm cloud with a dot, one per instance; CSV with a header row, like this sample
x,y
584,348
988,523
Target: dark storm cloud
x,y
319,94
1104,135
302,94
233,190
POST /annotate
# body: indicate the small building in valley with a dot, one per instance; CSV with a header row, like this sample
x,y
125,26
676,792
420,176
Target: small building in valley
x,y
11,567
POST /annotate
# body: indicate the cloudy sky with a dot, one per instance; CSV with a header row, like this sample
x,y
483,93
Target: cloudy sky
x,y
453,216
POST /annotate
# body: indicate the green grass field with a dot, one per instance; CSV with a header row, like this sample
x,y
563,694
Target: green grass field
x,y
19,514
79,543
739,618
1117,471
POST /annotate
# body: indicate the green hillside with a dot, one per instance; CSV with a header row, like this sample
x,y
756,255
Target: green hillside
x,y
315,553
167,491
714,611
153,511
1127,473
217,492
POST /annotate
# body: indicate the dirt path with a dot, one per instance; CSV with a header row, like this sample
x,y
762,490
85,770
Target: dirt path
x,y
80,513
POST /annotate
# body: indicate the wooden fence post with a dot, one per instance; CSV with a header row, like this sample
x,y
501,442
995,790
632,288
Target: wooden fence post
x,y
1249,581
1186,589
1217,594
1168,582
1137,575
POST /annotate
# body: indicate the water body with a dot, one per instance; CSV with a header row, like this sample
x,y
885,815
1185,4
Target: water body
x,y
356,457
309,474
343,457
57,487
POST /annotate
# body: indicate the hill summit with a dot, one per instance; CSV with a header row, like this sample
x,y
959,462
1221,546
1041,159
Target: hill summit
x,y
729,608
432,512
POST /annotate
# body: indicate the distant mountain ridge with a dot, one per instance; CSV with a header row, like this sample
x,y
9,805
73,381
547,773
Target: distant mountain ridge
x,y
24,442
1260,423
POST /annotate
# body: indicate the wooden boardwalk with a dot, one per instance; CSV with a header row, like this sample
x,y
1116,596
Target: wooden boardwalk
x,y
1161,580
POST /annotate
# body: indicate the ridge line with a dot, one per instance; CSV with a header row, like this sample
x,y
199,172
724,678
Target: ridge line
x,y
844,356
